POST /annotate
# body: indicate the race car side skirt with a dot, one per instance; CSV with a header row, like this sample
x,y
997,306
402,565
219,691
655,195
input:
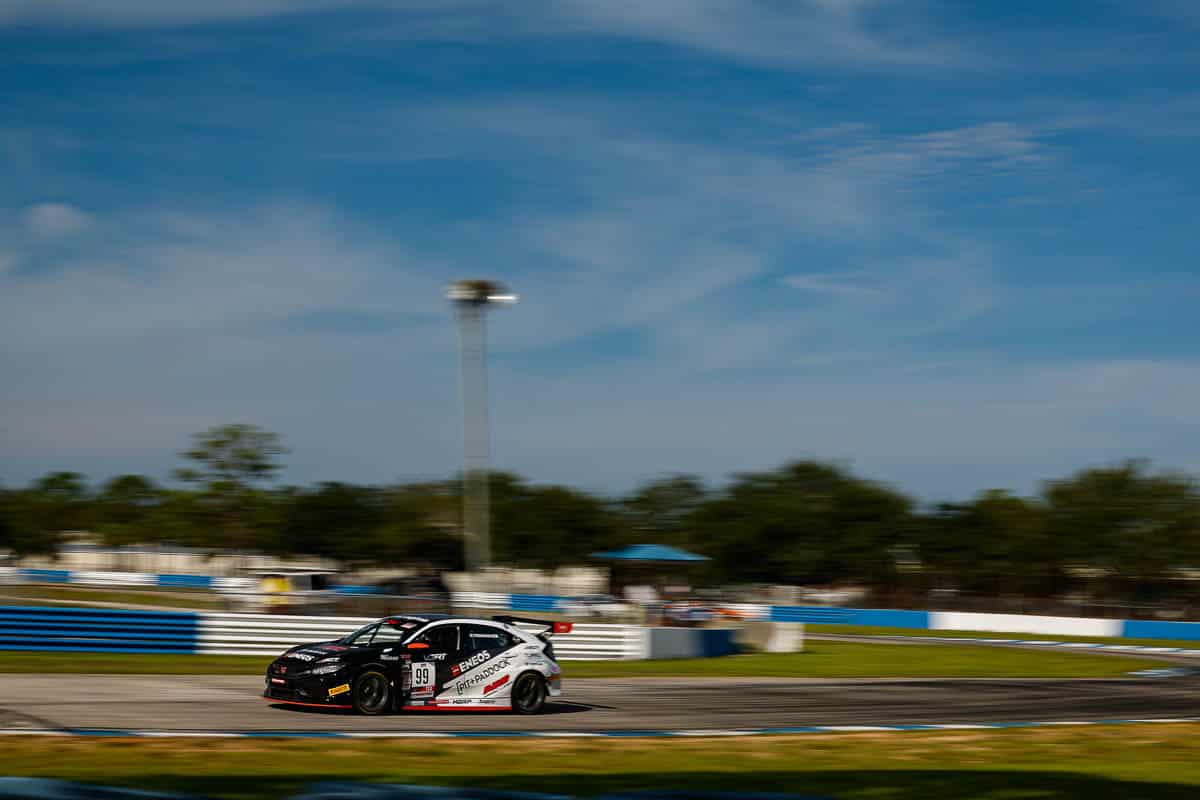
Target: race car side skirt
x,y
298,703
455,708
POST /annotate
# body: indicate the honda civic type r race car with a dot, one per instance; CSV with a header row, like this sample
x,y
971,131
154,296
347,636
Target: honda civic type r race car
x,y
431,662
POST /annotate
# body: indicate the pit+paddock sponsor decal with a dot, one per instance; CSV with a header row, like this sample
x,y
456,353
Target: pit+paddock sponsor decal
x,y
493,669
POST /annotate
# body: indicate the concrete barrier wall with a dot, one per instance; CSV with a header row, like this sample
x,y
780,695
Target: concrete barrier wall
x,y
1023,623
689,642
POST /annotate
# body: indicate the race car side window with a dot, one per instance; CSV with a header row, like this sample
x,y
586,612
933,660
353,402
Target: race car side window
x,y
390,634
485,637
440,638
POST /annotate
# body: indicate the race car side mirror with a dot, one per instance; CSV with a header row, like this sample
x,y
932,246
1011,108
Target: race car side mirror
x,y
418,646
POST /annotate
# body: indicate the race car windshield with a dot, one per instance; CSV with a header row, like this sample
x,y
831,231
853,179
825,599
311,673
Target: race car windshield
x,y
361,636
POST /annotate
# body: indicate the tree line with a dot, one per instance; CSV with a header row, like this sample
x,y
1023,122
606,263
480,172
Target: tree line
x,y
1125,531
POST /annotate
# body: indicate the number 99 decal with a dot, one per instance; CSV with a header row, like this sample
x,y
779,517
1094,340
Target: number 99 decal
x,y
422,679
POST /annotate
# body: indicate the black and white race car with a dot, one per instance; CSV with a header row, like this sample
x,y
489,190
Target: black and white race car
x,y
431,662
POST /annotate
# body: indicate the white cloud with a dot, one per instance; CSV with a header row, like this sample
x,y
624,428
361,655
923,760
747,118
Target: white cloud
x,y
804,32
151,12
846,284
56,220
853,33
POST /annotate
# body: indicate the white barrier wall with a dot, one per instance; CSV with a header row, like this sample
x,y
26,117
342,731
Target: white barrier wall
x,y
1023,623
267,634
271,634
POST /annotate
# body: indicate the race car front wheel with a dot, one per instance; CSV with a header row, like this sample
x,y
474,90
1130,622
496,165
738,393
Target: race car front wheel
x,y
529,694
371,693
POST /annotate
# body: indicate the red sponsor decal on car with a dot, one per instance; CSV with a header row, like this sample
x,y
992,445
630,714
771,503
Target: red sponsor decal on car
x,y
491,687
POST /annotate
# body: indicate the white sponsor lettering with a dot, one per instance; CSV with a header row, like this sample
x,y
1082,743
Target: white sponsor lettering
x,y
476,678
473,661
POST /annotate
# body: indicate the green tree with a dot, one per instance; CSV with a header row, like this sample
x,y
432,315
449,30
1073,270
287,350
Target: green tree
x,y
804,523
19,531
229,464
1135,525
995,544
546,526
661,511
125,507
335,520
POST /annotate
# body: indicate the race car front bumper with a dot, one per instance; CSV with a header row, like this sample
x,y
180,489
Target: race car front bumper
x,y
329,691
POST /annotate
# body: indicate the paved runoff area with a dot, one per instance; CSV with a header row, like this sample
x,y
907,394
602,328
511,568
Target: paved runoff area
x,y
232,704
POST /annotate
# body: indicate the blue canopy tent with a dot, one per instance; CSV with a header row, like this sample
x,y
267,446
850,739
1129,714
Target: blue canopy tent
x,y
650,561
650,554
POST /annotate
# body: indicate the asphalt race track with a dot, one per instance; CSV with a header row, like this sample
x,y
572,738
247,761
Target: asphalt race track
x,y
233,703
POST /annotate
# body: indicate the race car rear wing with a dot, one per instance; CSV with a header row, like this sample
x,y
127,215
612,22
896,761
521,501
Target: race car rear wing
x,y
553,627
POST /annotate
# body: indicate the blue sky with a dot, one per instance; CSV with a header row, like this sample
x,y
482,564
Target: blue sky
x,y
951,245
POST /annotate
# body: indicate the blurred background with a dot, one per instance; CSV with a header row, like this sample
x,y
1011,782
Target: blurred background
x,y
1118,541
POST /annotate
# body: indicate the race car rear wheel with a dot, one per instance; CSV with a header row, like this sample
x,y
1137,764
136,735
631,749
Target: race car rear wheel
x,y
371,693
529,693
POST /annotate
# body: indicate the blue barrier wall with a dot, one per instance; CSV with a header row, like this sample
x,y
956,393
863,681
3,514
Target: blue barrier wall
x,y
1146,629
45,575
96,630
532,602
821,615
186,581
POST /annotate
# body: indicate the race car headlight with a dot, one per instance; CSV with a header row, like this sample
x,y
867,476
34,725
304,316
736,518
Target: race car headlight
x,y
327,668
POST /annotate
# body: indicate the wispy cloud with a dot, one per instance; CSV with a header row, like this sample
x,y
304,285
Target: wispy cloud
x,y
847,33
56,220
851,284
806,32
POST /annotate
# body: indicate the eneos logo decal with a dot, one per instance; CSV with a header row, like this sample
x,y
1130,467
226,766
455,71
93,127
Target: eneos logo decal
x,y
473,661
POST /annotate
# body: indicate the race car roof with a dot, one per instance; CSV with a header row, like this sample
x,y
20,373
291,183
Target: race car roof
x,y
420,618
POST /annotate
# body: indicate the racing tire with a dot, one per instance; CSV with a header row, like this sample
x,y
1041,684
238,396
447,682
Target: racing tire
x,y
529,694
372,693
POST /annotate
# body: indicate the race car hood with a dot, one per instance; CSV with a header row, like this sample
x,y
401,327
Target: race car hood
x,y
305,656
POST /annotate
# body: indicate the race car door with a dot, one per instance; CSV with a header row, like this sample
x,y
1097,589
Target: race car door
x,y
484,672
436,651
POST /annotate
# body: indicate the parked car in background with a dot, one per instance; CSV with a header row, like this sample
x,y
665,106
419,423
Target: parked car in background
x,y
291,590
593,605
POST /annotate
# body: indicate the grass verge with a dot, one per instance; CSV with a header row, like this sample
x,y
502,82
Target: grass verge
x,y
1151,762
823,659
169,598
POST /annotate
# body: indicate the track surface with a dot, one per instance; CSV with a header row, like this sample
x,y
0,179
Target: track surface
x,y
232,703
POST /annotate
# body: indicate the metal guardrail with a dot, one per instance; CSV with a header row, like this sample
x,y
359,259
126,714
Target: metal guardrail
x,y
267,634
270,634
55,628
96,630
